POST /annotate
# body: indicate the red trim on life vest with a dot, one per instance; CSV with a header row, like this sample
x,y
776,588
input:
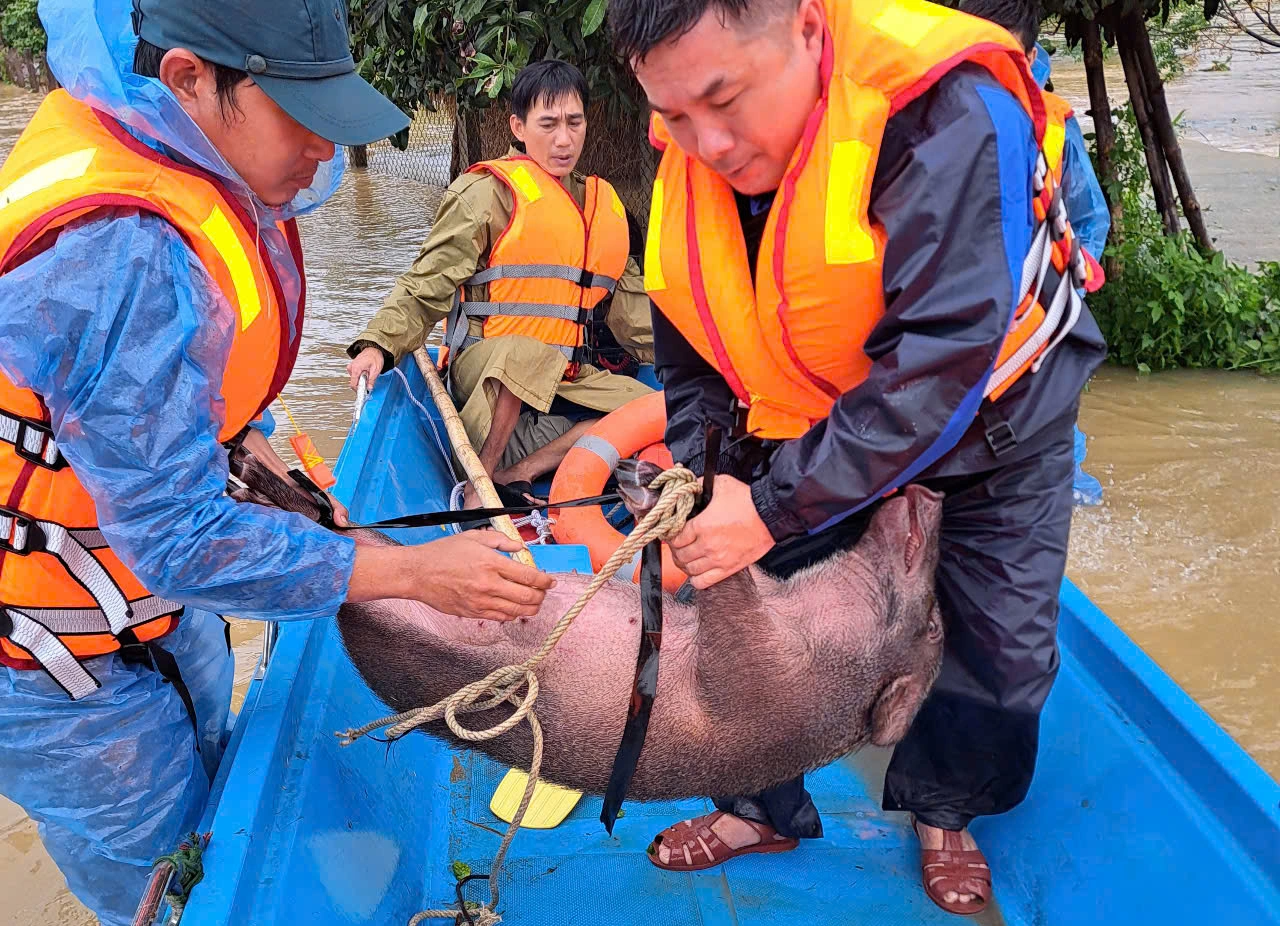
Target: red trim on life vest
x,y
807,142
699,293
1096,274
654,140
97,200
289,355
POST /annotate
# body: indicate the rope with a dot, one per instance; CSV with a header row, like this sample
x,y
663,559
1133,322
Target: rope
x,y
408,391
188,871
293,421
679,488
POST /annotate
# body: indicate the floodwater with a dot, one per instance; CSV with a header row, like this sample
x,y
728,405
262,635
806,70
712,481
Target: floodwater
x,y
1184,552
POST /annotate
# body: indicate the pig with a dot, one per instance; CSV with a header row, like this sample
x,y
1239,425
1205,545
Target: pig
x,y
759,680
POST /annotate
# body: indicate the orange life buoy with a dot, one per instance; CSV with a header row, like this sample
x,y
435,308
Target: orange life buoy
x,y
637,427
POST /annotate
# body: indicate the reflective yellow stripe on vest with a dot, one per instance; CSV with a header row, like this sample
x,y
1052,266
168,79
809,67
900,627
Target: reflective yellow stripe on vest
x,y
223,237
67,167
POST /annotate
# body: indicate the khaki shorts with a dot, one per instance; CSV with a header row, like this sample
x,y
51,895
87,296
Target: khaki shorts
x,y
534,372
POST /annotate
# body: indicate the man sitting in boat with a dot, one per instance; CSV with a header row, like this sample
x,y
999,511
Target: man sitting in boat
x,y
892,299
523,250
151,286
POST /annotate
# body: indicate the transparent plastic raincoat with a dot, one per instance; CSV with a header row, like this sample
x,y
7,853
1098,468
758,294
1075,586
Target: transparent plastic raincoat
x,y
110,326
1091,220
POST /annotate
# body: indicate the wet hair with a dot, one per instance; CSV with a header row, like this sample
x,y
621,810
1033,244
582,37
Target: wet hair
x,y
639,26
146,63
546,81
1020,17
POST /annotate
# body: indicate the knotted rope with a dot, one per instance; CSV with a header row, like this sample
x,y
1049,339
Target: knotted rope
x,y
678,489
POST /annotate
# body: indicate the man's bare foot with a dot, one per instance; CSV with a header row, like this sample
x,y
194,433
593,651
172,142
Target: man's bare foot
x,y
974,874
713,839
469,497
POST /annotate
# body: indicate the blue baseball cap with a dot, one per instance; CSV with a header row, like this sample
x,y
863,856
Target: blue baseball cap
x,y
297,51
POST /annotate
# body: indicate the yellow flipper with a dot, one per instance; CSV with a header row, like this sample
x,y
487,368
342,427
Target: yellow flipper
x,y
548,808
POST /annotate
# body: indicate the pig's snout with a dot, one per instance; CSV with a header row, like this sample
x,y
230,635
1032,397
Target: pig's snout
x,y
634,478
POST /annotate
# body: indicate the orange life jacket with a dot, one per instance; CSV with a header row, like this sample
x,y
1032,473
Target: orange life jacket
x,y
792,343
64,595
552,265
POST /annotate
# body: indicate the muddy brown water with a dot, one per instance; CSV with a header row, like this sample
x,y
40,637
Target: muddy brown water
x,y
1184,552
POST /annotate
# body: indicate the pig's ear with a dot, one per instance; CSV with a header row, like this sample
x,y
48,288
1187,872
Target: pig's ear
x,y
895,709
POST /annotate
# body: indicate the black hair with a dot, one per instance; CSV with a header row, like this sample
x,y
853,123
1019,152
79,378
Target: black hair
x,y
639,26
1020,17
146,63
546,81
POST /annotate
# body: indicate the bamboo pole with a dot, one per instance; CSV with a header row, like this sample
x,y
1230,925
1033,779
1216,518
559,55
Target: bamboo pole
x,y
466,453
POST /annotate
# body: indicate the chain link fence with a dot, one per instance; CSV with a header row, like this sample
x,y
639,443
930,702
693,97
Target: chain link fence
x,y
428,158
441,146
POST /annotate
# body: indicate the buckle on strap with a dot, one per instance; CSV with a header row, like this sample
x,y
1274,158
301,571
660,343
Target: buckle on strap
x,y
32,441
20,533
999,433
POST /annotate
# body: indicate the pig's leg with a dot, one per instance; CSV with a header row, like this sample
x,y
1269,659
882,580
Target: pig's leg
x,y
741,660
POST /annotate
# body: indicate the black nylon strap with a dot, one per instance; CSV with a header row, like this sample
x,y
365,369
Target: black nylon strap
x,y
437,518
644,686
154,656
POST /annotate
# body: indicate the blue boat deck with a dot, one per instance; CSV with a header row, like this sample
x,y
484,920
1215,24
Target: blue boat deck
x,y
1142,809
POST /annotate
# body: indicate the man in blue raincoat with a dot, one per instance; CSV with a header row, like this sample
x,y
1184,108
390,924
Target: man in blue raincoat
x,y
151,299
1086,205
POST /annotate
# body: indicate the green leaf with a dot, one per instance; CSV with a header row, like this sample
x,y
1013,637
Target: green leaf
x,y
593,17
419,18
461,870
1253,344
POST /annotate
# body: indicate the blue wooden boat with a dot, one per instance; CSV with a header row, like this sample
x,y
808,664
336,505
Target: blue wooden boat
x,y
1142,811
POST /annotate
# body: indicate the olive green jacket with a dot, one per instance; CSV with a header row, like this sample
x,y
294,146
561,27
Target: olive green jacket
x,y
473,213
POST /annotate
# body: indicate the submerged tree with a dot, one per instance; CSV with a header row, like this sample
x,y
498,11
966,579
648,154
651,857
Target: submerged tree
x,y
1123,25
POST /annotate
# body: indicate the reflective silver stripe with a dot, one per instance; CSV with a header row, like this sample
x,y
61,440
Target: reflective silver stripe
x,y
601,448
52,654
1077,305
90,573
568,352
1037,262
17,533
1053,315
541,272
523,309
34,442
92,620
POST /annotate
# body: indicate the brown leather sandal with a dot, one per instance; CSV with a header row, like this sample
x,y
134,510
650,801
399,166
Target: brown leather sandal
x,y
956,869
695,846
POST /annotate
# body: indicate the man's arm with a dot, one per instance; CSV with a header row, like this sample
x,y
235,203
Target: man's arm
x,y
629,315
130,366
423,295
954,195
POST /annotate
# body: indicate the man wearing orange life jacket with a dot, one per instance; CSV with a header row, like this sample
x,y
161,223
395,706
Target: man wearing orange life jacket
x,y
151,307
523,253
893,300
